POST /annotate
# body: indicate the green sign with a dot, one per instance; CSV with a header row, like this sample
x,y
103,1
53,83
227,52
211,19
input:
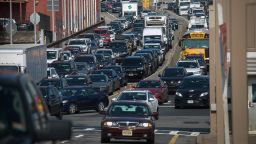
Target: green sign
x,y
129,7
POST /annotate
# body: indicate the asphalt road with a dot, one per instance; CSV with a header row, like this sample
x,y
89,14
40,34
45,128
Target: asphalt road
x,y
174,125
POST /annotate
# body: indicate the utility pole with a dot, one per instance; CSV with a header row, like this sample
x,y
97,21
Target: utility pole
x,y
35,21
11,22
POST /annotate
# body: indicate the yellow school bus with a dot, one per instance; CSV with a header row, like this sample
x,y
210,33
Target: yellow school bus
x,y
195,42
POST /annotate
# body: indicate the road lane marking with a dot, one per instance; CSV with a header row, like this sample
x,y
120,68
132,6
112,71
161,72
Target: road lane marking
x,y
174,139
78,136
173,132
89,129
64,141
195,134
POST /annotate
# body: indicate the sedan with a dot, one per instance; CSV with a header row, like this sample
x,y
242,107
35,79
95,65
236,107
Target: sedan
x,y
128,120
139,95
78,98
103,82
157,87
120,72
77,80
194,91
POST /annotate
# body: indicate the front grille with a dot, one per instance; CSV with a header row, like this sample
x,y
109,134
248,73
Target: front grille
x,y
127,124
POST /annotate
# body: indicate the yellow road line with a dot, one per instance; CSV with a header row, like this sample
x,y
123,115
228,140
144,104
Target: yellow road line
x,y
174,139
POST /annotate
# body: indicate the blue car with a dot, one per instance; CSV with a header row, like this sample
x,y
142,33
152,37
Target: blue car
x,y
77,98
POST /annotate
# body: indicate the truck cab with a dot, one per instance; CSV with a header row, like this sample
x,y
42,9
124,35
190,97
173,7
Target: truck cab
x,y
53,54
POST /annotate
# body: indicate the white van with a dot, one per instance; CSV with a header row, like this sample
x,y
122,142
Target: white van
x,y
153,34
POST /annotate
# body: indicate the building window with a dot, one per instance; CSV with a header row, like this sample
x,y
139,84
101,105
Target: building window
x,y
254,93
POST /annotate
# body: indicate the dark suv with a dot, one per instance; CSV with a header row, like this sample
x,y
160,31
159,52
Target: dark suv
x,y
120,50
23,114
135,67
64,67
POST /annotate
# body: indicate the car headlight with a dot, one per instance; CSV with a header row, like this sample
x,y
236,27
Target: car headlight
x,y
146,125
140,68
178,94
109,124
65,101
204,94
179,82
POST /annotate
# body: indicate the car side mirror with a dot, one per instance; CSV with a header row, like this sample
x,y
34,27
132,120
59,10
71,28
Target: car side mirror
x,y
61,129
151,99
114,99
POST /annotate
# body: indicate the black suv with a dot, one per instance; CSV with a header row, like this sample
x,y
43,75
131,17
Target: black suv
x,y
52,99
23,113
59,83
135,67
64,67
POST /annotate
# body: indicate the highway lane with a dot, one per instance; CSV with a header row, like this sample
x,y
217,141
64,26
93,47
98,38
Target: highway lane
x,y
187,123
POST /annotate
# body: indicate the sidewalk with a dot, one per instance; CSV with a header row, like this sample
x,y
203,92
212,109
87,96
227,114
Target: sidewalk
x,y
211,139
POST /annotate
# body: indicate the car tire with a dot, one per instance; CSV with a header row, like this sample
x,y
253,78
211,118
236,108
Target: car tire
x,y
100,106
105,139
72,109
151,141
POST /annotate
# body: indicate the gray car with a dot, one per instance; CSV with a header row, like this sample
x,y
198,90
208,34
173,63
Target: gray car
x,y
103,82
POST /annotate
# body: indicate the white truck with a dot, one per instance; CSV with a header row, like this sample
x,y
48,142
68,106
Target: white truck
x,y
130,8
153,33
183,7
24,58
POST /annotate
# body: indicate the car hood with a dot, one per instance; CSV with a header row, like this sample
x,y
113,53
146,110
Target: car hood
x,y
152,90
192,91
130,119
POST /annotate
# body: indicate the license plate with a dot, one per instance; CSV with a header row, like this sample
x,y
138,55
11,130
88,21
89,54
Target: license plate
x,y
130,74
127,132
190,101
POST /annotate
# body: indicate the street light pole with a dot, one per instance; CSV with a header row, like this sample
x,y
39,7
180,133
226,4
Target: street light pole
x,y
11,22
53,33
35,21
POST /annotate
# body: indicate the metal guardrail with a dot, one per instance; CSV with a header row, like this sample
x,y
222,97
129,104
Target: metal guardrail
x,y
75,34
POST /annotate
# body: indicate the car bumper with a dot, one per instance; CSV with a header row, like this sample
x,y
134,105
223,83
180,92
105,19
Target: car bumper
x,y
134,74
202,102
138,133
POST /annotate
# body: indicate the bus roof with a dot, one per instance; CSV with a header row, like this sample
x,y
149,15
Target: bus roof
x,y
196,30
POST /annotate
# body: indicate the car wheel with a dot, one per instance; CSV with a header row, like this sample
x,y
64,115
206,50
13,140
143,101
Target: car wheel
x,y
100,106
72,109
105,139
151,141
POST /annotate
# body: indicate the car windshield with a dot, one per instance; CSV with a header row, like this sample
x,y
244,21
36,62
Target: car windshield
x,y
74,50
124,110
195,83
152,46
196,43
106,72
98,78
76,81
62,67
88,59
104,52
117,69
132,96
187,64
173,73
132,62
69,92
152,37
9,68
149,84
12,114
90,36
198,58
47,82
118,47
51,55
77,42
82,66
184,3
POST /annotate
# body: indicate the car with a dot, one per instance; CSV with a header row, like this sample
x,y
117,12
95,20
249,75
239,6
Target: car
x,y
133,37
116,7
51,73
93,46
75,50
77,80
102,81
149,60
83,68
92,36
24,117
81,42
128,120
102,61
116,27
173,76
120,49
202,63
90,59
104,36
77,98
190,66
59,83
64,67
103,7
157,87
120,72
112,75
194,91
154,55
108,53
135,67
53,100
131,43
139,95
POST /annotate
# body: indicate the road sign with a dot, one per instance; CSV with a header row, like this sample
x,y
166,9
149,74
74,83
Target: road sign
x,y
35,18
14,28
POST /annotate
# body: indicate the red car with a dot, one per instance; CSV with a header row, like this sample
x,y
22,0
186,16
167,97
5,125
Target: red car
x,y
157,87
104,34
128,120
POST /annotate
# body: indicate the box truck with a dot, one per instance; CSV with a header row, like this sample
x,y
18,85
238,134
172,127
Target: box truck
x,y
130,8
24,58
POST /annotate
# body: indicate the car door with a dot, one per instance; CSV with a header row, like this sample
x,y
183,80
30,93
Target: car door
x,y
154,102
